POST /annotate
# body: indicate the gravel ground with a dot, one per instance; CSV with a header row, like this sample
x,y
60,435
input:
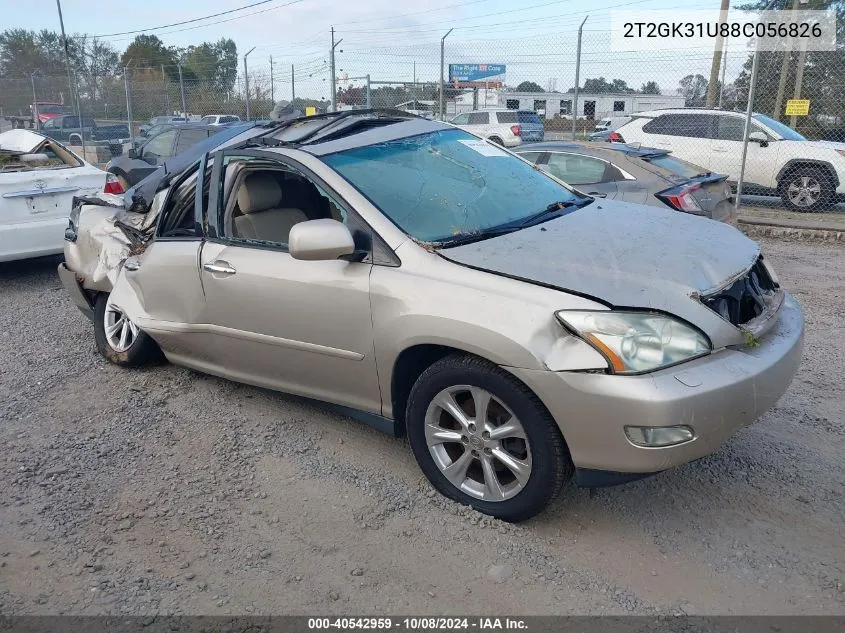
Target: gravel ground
x,y
166,491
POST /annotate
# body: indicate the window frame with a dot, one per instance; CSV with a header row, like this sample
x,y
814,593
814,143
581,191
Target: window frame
x,y
199,168
455,121
145,147
366,238
612,173
485,115
755,127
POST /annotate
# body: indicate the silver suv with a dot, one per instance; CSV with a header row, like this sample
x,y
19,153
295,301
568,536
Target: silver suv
x,y
517,331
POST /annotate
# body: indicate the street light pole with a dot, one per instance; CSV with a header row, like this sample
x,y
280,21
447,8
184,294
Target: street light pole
x,y
246,81
442,56
74,94
577,79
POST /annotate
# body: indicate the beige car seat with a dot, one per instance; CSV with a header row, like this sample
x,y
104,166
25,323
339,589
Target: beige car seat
x,y
264,217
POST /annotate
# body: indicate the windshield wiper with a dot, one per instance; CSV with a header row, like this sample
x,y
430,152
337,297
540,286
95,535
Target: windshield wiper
x,y
475,236
554,209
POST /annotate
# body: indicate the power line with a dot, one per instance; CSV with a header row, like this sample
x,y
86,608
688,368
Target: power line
x,y
191,28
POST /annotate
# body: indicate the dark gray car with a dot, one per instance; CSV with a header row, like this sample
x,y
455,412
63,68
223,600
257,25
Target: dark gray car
x,y
644,175
173,139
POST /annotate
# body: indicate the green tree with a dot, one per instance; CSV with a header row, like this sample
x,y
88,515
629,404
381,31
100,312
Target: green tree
x,y
529,86
212,64
148,51
694,89
650,88
22,52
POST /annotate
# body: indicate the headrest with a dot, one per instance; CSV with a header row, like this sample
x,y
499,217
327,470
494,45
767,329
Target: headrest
x,y
259,192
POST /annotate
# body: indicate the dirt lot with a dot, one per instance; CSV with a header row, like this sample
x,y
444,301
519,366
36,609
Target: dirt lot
x,y
165,491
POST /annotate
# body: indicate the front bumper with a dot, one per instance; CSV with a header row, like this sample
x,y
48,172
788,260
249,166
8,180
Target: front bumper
x,y
715,395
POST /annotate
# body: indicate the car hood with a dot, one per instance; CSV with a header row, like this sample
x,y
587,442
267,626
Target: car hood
x,y
625,255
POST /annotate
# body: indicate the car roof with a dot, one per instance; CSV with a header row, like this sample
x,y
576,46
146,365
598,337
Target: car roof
x,y
598,148
650,114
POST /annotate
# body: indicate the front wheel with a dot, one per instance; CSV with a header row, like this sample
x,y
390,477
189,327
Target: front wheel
x,y
484,439
806,189
119,339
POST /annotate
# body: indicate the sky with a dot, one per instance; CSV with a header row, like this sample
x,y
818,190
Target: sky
x,y
392,41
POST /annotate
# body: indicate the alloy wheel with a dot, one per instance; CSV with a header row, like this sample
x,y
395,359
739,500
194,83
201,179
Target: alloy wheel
x,y
478,443
121,333
804,191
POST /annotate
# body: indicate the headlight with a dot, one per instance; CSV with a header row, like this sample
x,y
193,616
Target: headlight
x,y
635,342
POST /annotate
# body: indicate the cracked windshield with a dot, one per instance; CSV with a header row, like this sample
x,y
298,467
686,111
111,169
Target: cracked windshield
x,y
448,184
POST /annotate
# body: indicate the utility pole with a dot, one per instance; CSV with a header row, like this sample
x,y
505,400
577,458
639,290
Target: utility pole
x,y
71,84
272,94
292,86
333,87
442,55
799,77
246,82
717,56
182,91
128,103
784,70
414,87
577,79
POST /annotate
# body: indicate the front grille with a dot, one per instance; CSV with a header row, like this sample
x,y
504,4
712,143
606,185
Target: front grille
x,y
746,298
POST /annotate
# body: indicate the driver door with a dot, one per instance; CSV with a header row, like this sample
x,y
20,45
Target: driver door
x,y
302,327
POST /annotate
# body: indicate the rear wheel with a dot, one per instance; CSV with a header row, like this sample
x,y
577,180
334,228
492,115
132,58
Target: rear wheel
x,y
497,140
806,189
484,439
119,339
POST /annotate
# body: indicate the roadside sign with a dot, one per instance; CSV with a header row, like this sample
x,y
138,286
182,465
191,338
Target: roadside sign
x,y
310,110
798,107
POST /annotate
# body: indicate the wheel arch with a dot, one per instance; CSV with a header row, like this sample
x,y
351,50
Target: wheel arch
x,y
798,163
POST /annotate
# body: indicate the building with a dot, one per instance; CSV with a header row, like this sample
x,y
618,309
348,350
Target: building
x,y
550,104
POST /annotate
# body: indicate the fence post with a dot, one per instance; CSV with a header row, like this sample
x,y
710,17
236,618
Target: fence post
x,y
166,90
182,91
246,82
36,122
577,79
128,104
369,95
292,86
272,93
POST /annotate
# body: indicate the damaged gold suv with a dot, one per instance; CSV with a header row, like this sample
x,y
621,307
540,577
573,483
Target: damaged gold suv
x,y
518,331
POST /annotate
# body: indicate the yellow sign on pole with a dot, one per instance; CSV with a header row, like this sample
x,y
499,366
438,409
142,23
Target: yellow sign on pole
x,y
797,107
310,110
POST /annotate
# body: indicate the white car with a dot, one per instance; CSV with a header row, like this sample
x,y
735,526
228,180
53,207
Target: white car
x,y
219,119
38,179
485,123
806,175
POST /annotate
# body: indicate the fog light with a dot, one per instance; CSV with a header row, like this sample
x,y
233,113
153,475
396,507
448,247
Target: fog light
x,y
655,436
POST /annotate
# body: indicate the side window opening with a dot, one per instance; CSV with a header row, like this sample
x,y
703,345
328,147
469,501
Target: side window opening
x,y
179,219
266,200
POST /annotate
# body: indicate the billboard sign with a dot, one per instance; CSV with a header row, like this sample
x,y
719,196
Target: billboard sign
x,y
477,74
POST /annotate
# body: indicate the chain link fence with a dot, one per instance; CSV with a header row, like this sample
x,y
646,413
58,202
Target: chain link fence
x,y
539,75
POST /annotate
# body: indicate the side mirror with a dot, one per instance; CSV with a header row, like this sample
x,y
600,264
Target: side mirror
x,y
132,153
320,240
759,137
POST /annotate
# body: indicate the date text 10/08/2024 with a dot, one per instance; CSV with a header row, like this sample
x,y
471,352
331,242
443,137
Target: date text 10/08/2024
x,y
417,624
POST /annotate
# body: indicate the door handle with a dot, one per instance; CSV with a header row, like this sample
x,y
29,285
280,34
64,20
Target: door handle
x,y
722,150
219,267
597,194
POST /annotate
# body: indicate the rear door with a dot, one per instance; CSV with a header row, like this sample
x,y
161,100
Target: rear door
x,y
687,135
479,123
593,176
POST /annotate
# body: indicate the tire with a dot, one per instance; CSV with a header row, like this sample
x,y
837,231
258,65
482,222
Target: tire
x,y
497,140
541,452
140,350
807,189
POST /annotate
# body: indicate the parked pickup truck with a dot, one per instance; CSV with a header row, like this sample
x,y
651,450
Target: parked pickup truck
x,y
67,129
